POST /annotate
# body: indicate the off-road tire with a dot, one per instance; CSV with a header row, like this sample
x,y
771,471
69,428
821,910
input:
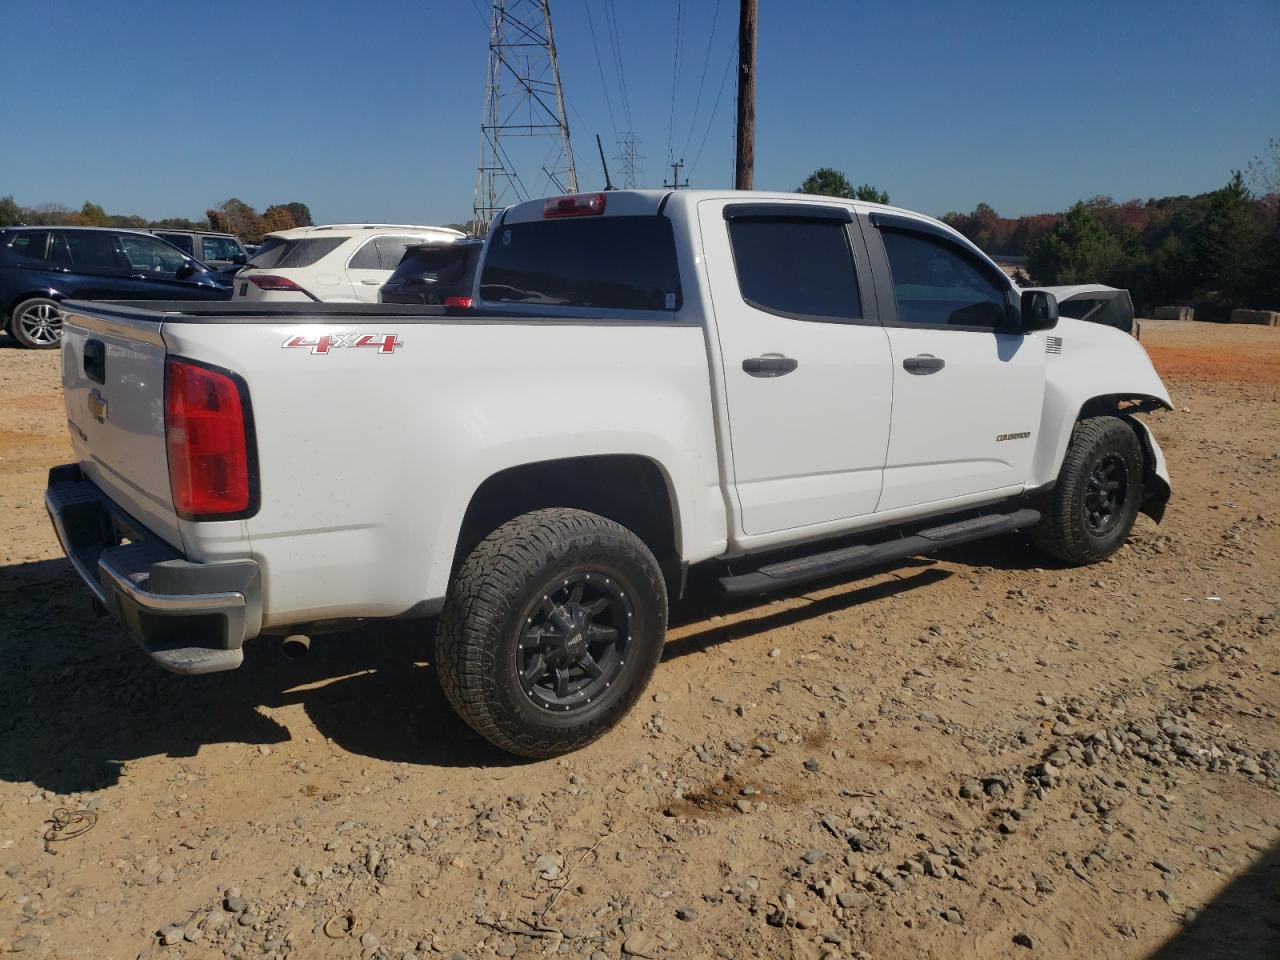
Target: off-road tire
x,y
1064,530
44,317
503,581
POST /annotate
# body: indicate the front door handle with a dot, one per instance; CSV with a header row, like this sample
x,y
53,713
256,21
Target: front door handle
x,y
923,364
771,365
372,283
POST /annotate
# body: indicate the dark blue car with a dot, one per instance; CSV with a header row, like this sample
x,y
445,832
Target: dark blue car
x,y
42,266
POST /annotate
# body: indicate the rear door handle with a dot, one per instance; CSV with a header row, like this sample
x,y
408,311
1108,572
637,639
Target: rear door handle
x,y
372,283
771,365
923,364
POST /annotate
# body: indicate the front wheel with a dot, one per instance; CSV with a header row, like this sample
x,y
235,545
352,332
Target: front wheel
x,y
551,630
37,323
1099,490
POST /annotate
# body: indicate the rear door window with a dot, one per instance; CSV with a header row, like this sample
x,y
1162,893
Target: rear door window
x,y
183,241
622,263
391,250
366,258
29,245
86,250
796,268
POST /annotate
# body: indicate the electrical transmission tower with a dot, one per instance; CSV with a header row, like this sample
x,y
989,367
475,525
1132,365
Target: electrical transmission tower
x,y
524,135
627,143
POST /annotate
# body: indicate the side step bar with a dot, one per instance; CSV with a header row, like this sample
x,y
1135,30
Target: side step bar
x,y
777,576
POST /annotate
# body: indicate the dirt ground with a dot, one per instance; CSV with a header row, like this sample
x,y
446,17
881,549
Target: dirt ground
x,y
973,756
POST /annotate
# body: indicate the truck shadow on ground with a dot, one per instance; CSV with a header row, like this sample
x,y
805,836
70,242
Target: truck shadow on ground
x,y
80,700
1241,923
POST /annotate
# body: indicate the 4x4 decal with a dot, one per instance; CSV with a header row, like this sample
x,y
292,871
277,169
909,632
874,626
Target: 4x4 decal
x,y
384,342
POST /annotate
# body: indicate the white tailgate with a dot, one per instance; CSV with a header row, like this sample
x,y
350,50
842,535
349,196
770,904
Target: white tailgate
x,y
121,447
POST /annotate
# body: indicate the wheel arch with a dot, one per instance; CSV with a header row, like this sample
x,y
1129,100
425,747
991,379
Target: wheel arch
x,y
630,489
1060,420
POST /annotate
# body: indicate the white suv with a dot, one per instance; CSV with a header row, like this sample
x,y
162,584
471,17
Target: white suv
x,y
345,262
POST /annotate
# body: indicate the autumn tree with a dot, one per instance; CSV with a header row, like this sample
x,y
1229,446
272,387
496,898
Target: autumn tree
x,y
275,218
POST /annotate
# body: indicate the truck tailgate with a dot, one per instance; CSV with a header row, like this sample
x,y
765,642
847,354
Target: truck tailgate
x,y
113,381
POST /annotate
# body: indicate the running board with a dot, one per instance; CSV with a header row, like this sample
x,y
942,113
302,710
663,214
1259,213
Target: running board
x,y
777,576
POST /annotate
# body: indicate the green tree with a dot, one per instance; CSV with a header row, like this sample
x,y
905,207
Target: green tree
x,y
1078,249
241,219
830,182
871,194
10,212
300,213
92,215
1227,246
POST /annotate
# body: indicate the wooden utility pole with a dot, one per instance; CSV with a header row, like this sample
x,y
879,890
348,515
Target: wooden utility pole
x,y
745,162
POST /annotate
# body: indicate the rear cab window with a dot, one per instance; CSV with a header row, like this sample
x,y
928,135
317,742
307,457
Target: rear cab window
x,y
594,263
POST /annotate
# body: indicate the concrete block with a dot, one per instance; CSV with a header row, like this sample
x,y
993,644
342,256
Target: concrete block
x,y
1174,313
1260,318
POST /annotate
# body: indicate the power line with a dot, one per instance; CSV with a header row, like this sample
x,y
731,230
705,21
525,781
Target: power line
x,y
706,62
675,76
600,67
733,53
611,18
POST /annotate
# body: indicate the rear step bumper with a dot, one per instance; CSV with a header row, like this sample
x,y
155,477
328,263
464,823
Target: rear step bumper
x,y
778,576
189,617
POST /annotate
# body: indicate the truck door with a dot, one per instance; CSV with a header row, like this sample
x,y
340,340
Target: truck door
x,y
968,385
805,362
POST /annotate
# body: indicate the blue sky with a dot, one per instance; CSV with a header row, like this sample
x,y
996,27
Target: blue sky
x,y
371,110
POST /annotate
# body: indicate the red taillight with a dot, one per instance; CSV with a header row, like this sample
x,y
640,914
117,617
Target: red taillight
x,y
206,433
467,302
269,282
574,205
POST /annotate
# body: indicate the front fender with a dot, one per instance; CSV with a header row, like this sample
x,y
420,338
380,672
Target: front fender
x,y
1097,367
1156,486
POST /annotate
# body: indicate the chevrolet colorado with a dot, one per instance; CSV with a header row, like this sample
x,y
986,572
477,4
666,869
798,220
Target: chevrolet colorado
x,y
786,387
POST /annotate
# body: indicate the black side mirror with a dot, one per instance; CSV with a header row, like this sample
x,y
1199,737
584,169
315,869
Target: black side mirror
x,y
240,258
1039,310
186,270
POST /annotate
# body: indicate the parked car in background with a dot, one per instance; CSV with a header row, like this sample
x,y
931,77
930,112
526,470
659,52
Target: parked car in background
x,y
222,251
1096,303
342,262
42,266
435,274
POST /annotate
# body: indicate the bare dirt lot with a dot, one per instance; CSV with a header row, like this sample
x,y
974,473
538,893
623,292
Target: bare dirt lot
x,y
974,756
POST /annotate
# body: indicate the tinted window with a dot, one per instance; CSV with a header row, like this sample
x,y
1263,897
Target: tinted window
x,y
391,250
438,265
218,248
800,268
183,241
30,244
150,254
366,257
276,252
623,263
937,282
85,251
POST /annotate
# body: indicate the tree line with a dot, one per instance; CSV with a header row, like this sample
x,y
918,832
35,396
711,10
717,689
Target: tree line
x,y
232,216
1214,251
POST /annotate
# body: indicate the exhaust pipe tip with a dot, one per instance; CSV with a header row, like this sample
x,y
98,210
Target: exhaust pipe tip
x,y
295,646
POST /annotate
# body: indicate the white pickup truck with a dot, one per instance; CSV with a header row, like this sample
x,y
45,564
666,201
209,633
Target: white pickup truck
x,y
789,388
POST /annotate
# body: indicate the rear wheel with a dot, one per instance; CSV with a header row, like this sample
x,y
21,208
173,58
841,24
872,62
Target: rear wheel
x,y
552,628
1099,491
37,323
